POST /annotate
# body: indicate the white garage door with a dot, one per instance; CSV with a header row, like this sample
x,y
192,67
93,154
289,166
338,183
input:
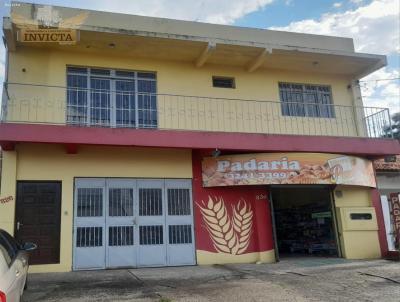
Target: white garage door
x,y
132,223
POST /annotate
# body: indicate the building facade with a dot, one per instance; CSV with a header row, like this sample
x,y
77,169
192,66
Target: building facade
x,y
388,182
132,141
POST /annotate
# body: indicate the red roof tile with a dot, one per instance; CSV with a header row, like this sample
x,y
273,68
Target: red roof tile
x,y
381,165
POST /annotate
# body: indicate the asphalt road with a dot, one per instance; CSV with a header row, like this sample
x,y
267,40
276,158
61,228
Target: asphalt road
x,y
300,279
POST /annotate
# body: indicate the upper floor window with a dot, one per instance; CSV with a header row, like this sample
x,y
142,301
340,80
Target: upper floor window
x,y
306,100
111,98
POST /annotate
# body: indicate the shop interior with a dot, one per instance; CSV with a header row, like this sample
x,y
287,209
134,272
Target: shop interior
x,y
304,222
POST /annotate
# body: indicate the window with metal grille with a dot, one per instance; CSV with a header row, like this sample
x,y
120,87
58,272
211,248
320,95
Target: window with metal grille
x,y
150,202
223,82
151,234
120,235
120,202
89,236
90,202
180,234
107,97
178,202
306,100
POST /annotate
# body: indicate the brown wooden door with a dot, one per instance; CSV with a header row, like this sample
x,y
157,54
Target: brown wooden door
x,y
38,217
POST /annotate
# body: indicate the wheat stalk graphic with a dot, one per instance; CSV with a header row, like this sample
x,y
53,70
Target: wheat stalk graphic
x,y
228,236
242,223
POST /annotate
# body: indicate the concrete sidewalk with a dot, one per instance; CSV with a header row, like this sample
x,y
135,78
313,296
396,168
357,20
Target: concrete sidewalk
x,y
293,279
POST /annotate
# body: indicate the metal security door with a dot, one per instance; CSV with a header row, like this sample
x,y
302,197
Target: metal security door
x,y
130,223
151,223
89,235
120,223
179,223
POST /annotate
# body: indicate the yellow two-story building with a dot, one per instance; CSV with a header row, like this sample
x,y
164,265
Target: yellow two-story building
x,y
133,141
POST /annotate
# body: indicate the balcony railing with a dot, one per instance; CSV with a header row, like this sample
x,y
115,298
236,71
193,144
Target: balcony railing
x,y
28,103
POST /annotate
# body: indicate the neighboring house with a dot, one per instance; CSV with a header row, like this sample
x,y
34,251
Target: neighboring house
x,y
388,175
388,182
157,142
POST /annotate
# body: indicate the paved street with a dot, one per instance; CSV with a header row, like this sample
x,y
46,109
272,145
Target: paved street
x,y
300,279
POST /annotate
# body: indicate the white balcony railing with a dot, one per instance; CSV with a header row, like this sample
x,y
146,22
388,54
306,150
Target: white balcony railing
x,y
27,103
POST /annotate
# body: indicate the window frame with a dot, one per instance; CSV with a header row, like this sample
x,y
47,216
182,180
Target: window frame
x,y
113,77
302,107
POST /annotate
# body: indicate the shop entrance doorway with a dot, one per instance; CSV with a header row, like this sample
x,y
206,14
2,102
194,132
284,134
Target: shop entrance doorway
x,y
304,221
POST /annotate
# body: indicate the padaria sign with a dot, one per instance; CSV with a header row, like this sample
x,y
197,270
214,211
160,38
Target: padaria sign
x,y
287,168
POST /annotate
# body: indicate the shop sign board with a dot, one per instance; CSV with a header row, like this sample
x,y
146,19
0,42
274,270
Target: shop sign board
x,y
287,168
395,206
46,24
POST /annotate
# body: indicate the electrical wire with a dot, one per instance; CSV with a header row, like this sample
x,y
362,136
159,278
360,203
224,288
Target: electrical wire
x,y
382,95
378,80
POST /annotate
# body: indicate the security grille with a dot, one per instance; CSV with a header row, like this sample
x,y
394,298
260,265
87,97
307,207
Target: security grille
x,y
178,202
151,234
90,202
120,202
120,236
180,234
89,236
150,202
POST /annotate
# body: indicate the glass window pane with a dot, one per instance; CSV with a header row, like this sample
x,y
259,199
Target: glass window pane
x,y
76,99
146,75
100,108
125,103
306,100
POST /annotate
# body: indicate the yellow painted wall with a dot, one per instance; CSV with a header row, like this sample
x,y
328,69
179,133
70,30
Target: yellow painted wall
x,y
8,188
43,104
209,258
358,238
50,162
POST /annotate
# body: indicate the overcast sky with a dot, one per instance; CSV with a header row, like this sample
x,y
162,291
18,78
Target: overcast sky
x,y
373,24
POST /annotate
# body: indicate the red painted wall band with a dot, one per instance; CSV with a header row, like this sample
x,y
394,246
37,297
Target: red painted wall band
x,y
243,142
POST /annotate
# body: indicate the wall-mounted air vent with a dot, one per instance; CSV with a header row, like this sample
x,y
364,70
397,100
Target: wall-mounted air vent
x,y
223,82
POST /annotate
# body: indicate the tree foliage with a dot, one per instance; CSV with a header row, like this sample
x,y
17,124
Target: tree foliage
x,y
394,127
